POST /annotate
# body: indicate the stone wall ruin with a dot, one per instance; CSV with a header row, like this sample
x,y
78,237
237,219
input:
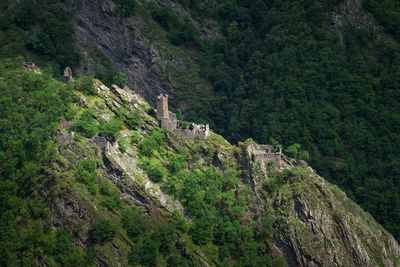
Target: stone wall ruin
x,y
168,120
266,154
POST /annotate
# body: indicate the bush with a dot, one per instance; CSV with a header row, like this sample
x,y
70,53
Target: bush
x,y
295,152
184,33
156,171
125,8
111,129
86,125
133,120
123,145
112,199
160,137
120,79
148,145
102,231
145,252
135,138
86,174
201,232
86,85
134,224
178,161
165,17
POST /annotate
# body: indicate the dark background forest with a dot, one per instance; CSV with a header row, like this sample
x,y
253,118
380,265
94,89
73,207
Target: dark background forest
x,y
283,71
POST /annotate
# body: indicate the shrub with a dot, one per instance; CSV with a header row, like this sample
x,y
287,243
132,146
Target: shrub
x,y
86,85
134,224
133,120
123,145
201,232
178,161
86,174
86,125
111,129
125,8
164,234
294,151
102,231
164,16
145,252
135,138
160,137
148,145
120,79
156,172
111,195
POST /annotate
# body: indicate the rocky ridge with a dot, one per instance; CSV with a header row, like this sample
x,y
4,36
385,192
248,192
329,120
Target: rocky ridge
x,y
314,223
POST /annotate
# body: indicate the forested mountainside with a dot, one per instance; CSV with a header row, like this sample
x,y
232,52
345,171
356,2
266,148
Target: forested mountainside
x,y
322,74
89,179
319,77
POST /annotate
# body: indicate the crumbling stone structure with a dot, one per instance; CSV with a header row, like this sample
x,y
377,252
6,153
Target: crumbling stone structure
x,y
67,74
168,120
193,130
266,153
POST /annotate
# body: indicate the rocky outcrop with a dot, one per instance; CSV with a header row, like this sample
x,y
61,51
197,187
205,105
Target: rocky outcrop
x,y
318,225
97,22
350,12
313,222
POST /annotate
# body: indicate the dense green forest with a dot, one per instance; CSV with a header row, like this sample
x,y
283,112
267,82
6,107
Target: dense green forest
x,y
31,106
281,70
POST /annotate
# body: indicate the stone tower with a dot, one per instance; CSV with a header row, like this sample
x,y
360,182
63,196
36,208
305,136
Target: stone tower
x,y
67,74
162,107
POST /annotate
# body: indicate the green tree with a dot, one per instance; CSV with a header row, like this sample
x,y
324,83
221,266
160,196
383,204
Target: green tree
x,y
120,79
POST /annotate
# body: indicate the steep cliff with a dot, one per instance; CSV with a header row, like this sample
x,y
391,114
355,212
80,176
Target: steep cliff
x,y
136,46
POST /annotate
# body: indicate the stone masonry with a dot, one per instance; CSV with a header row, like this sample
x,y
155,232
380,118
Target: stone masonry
x,y
67,74
168,120
266,153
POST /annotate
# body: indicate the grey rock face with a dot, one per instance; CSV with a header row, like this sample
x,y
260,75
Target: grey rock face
x,y
96,21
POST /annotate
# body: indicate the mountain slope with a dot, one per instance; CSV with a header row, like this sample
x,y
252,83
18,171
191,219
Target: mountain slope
x,y
324,74
313,222
117,189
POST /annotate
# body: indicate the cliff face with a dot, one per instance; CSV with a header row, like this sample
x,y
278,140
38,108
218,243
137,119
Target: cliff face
x,y
135,46
295,216
96,22
321,226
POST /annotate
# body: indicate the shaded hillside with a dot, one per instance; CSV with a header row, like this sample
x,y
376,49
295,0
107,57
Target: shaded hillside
x,y
92,180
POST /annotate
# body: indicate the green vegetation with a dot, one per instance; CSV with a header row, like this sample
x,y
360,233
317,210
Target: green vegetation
x,y
31,107
120,79
111,129
387,13
125,8
86,125
86,85
180,31
334,98
40,31
283,70
102,231
212,198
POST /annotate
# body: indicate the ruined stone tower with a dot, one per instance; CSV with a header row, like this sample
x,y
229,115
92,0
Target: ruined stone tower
x,y
67,74
162,107
168,120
